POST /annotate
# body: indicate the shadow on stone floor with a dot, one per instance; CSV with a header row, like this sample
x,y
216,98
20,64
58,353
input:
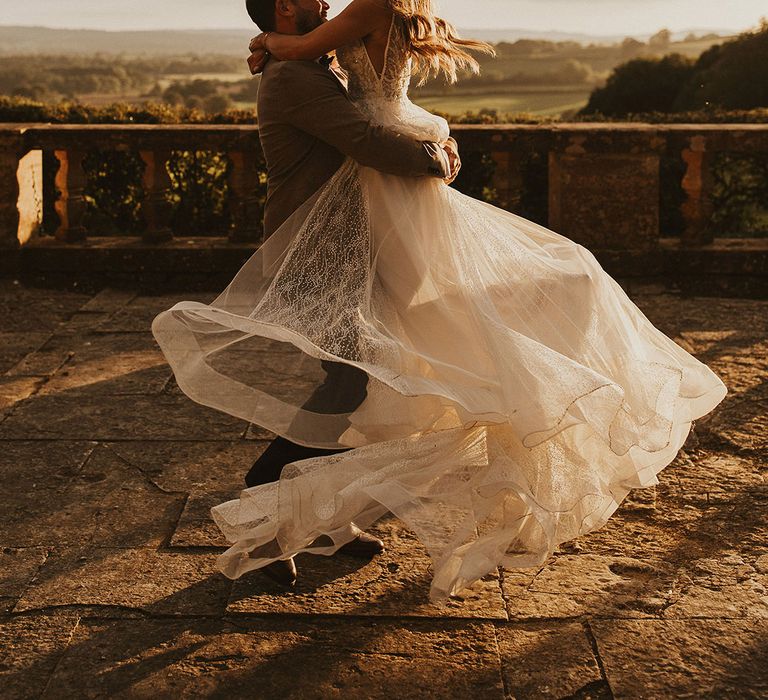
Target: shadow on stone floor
x,y
301,656
692,583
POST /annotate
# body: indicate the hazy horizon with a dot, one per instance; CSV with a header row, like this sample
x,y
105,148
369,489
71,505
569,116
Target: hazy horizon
x,y
591,17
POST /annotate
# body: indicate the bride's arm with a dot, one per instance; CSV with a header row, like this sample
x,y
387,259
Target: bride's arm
x,y
358,20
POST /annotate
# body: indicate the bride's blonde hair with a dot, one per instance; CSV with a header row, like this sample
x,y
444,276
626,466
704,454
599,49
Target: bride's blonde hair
x,y
435,45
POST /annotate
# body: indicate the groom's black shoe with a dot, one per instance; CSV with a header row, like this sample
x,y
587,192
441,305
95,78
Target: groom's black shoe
x,y
282,571
364,546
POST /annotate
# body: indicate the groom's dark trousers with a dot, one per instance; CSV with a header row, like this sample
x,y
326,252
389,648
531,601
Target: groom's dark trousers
x,y
343,390
308,126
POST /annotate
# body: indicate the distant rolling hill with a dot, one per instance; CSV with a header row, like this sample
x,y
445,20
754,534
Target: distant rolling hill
x,y
24,40
21,40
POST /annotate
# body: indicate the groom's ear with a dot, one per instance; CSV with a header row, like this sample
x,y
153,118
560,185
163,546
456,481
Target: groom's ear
x,y
285,8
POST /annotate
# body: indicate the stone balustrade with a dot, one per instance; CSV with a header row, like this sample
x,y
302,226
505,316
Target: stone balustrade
x,y
154,144
603,180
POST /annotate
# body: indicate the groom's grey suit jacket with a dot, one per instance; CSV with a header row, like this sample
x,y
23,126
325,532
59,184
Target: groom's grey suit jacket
x,y
308,125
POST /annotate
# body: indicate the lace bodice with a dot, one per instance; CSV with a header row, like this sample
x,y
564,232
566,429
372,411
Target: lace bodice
x,y
384,98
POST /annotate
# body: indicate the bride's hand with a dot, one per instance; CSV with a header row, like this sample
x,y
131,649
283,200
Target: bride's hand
x,y
258,42
259,53
257,60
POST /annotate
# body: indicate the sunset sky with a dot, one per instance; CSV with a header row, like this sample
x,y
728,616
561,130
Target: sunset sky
x,y
586,16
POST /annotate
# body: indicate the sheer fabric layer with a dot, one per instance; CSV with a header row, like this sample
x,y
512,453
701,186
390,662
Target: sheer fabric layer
x,y
501,391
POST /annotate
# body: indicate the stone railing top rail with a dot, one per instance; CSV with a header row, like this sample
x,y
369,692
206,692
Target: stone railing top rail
x,y
557,126
571,137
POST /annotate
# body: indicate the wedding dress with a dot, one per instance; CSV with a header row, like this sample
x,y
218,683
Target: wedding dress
x,y
514,396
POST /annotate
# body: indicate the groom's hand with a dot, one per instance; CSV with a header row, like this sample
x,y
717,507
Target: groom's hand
x,y
451,148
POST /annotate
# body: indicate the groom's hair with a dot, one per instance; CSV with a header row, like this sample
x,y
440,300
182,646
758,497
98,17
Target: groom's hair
x,y
262,12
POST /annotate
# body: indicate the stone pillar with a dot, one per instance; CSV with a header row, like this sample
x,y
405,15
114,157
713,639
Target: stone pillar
x,y
697,208
10,153
244,195
604,192
70,204
156,207
30,176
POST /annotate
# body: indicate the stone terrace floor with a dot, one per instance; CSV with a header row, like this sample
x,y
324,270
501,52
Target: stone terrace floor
x,y
108,586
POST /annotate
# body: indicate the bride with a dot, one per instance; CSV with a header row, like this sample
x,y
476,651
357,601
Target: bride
x,y
513,393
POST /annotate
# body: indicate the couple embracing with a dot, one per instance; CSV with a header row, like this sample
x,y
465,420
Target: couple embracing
x,y
473,373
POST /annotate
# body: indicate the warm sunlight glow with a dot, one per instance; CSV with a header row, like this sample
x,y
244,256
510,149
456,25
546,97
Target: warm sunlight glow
x,y
594,17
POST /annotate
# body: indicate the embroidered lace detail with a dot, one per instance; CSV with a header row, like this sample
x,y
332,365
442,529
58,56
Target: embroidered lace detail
x,y
364,84
384,98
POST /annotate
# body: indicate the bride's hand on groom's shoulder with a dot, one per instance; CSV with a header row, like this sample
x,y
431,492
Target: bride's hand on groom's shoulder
x,y
259,54
452,149
257,60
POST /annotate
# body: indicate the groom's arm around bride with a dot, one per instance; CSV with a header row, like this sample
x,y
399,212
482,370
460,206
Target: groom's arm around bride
x,y
308,125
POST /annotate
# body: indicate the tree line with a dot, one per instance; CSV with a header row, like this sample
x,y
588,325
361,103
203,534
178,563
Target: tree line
x,y
728,76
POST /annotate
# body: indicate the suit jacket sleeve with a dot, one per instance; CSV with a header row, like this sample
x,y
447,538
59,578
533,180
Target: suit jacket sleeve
x,y
314,101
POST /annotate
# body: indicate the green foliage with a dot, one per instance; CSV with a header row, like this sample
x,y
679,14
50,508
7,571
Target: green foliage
x,y
739,195
199,193
642,85
476,176
53,77
23,110
730,76
114,193
733,75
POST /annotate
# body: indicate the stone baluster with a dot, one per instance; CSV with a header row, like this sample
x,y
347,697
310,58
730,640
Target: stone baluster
x,y
244,189
156,207
70,203
697,208
10,152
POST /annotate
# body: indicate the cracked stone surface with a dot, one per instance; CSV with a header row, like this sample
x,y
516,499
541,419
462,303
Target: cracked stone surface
x,y
279,659
684,658
140,579
108,582
549,661
31,647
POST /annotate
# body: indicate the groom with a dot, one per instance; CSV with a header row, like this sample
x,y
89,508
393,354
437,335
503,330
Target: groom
x,y
308,126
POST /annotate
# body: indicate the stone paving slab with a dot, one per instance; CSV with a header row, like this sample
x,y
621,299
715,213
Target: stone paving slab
x,y
17,569
195,528
552,660
39,506
109,300
137,315
14,390
726,474
76,415
28,309
31,646
395,583
192,466
113,364
14,347
713,659
588,584
137,579
279,659
104,500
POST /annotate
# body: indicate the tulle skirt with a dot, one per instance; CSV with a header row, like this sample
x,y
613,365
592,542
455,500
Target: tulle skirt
x,y
497,389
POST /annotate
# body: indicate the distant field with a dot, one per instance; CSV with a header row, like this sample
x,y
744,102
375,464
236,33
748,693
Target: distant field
x,y
540,102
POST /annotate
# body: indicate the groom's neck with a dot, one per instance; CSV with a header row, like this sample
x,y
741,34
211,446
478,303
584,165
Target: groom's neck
x,y
286,26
